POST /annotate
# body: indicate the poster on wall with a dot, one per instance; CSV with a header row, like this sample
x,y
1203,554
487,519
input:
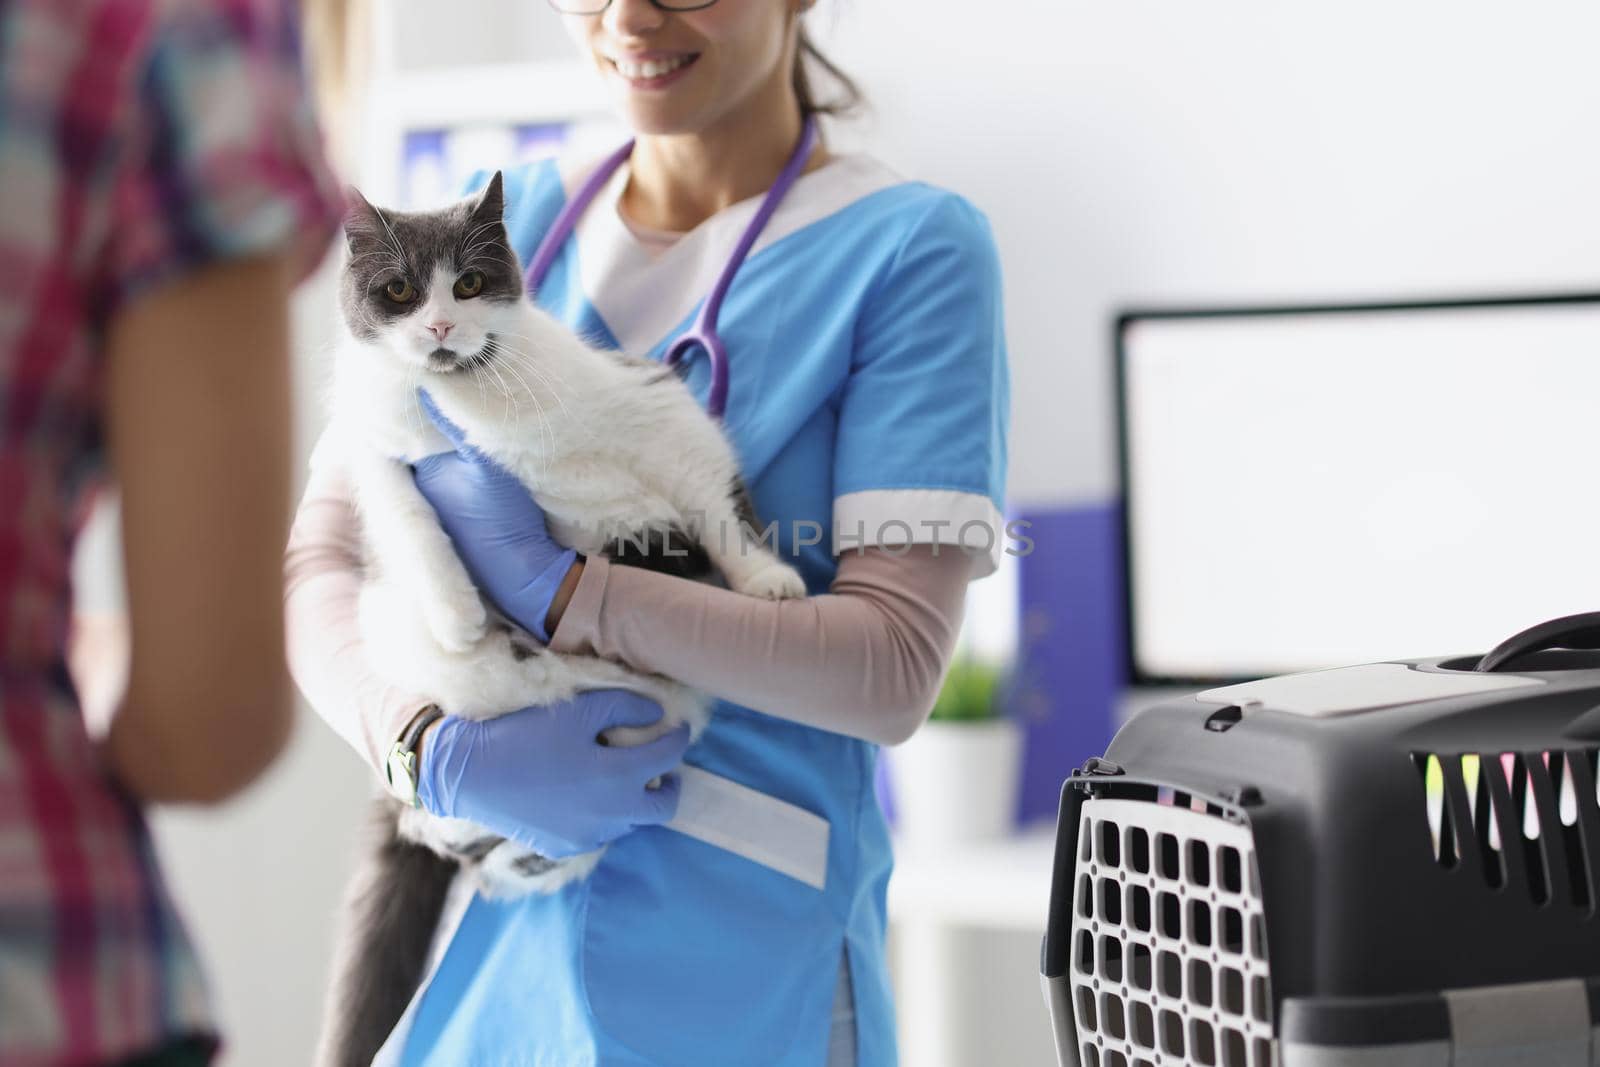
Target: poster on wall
x,y
436,164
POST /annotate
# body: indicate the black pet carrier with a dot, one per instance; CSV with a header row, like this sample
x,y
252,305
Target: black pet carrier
x,y
1390,865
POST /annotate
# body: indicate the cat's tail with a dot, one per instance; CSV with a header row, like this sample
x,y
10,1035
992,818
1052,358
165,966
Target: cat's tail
x,y
391,909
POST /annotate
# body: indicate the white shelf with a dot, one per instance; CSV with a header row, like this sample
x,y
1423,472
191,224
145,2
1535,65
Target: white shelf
x,y
479,103
494,93
1003,885
938,897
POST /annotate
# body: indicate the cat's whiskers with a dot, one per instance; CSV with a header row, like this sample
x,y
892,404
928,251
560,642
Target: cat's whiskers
x,y
546,375
528,363
413,393
483,393
493,353
366,320
381,250
510,368
508,412
533,397
388,255
470,256
475,241
472,234
394,241
549,377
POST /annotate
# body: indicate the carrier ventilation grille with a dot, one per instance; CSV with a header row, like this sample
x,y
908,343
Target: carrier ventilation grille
x,y
1524,821
1169,954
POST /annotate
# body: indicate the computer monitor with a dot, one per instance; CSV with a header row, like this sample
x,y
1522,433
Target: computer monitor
x,y
1316,486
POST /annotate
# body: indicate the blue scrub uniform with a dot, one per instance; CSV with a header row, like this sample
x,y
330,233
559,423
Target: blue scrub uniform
x,y
868,383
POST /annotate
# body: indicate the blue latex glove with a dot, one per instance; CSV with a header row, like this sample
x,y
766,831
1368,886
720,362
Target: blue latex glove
x,y
542,777
497,529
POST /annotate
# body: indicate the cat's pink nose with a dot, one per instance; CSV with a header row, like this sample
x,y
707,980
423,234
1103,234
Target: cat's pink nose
x,y
441,330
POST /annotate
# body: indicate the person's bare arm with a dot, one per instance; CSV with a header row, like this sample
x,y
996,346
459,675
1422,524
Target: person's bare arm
x,y
198,424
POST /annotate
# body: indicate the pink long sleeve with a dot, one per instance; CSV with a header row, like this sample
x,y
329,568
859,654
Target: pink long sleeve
x,y
865,659
322,572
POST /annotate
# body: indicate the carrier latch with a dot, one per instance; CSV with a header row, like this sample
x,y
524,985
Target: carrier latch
x,y
1095,767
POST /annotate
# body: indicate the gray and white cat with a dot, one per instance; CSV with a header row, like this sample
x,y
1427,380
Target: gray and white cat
x,y
618,454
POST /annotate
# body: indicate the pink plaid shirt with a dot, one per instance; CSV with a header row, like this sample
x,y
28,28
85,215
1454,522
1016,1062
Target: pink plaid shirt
x,y
139,139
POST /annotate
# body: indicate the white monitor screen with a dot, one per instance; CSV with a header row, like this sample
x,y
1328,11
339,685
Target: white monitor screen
x,y
1315,488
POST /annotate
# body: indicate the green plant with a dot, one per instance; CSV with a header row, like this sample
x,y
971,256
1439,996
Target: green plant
x,y
971,692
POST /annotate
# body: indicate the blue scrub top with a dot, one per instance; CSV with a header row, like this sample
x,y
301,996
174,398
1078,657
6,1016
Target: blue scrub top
x,y
867,368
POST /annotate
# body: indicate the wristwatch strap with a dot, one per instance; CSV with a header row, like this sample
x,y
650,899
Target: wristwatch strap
x,y
401,766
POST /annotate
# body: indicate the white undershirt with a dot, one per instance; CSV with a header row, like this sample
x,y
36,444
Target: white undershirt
x,y
654,241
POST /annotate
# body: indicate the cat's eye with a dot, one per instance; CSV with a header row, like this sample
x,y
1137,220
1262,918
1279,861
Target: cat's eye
x,y
400,291
469,285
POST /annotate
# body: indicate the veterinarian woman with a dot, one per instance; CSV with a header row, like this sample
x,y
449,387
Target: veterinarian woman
x,y
866,394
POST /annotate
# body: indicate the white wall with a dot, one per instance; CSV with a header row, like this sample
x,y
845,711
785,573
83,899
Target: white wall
x,y
445,33
1127,152
1149,151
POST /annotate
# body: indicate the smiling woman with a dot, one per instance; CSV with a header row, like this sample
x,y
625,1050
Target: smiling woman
x,y
806,55
718,91
866,393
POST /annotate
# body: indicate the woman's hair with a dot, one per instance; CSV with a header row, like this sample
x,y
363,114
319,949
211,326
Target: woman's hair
x,y
847,95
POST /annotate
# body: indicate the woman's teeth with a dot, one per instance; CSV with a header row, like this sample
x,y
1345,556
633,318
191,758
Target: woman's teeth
x,y
651,68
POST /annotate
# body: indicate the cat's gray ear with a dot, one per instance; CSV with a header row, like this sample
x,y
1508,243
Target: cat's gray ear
x,y
491,203
361,219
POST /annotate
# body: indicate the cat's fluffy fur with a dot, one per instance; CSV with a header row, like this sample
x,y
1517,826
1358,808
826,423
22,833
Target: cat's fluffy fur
x,y
609,446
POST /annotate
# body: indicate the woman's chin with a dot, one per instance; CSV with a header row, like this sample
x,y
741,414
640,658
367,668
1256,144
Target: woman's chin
x,y
647,122
658,114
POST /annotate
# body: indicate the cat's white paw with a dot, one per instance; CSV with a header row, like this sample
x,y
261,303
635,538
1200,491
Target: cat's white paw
x,y
633,736
775,581
458,622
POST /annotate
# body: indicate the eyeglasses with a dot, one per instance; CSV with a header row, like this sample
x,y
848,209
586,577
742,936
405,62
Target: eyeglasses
x,y
595,7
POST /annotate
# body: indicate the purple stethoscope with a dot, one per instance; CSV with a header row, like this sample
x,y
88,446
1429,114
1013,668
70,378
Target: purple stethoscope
x,y
703,332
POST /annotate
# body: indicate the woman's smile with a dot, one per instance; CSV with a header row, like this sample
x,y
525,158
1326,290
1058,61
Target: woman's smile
x,y
651,70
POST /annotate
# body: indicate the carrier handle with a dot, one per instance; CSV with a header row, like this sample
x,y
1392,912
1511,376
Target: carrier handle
x,y
1571,631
